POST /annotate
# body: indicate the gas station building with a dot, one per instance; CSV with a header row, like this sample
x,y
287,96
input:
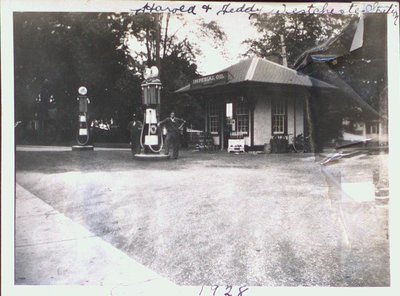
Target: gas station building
x,y
256,100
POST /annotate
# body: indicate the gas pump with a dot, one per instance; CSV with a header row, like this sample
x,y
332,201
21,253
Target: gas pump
x,y
83,134
151,138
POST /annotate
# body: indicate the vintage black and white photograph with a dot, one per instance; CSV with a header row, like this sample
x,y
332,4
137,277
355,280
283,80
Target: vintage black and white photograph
x,y
211,145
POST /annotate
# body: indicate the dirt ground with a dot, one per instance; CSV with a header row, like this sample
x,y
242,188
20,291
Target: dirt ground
x,y
218,218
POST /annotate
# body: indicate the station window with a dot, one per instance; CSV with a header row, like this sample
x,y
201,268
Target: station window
x,y
242,117
213,118
278,117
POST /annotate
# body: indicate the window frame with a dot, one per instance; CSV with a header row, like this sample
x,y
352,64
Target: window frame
x,y
280,118
242,116
213,119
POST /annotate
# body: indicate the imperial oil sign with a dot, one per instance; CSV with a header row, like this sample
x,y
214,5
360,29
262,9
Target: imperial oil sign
x,y
218,78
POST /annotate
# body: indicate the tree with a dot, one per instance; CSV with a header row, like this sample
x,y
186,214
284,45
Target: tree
x,y
153,30
300,32
55,53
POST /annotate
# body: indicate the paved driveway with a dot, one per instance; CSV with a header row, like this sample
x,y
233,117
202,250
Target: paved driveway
x,y
215,218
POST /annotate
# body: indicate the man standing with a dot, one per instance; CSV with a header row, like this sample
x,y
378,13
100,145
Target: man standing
x,y
173,125
135,127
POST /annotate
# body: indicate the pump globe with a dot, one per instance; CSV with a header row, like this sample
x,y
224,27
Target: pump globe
x,y
154,72
82,91
147,73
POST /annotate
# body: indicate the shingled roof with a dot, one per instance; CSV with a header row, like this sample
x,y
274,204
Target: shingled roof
x,y
263,71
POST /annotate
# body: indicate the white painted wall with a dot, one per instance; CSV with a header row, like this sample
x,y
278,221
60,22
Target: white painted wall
x,y
247,141
262,119
295,105
300,115
290,117
262,116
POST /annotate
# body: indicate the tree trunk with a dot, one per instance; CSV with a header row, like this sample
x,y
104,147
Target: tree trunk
x,y
149,58
157,19
311,128
166,35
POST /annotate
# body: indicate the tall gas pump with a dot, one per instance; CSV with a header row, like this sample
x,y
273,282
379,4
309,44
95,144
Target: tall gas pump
x,y
151,138
83,134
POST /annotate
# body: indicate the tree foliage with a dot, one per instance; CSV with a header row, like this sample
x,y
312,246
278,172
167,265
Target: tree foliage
x,y
154,32
300,32
55,53
175,57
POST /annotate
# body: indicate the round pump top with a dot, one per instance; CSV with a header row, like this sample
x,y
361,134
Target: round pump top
x,y
82,91
154,72
151,73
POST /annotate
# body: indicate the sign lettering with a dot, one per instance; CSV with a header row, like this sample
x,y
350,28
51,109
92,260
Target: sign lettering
x,y
210,79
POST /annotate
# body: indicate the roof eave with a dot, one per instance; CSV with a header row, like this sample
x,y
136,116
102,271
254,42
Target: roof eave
x,y
325,86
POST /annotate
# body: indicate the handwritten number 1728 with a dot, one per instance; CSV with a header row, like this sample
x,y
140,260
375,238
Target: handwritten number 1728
x,y
227,292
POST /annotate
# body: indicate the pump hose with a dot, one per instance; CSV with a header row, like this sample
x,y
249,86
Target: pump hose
x,y
141,133
161,146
